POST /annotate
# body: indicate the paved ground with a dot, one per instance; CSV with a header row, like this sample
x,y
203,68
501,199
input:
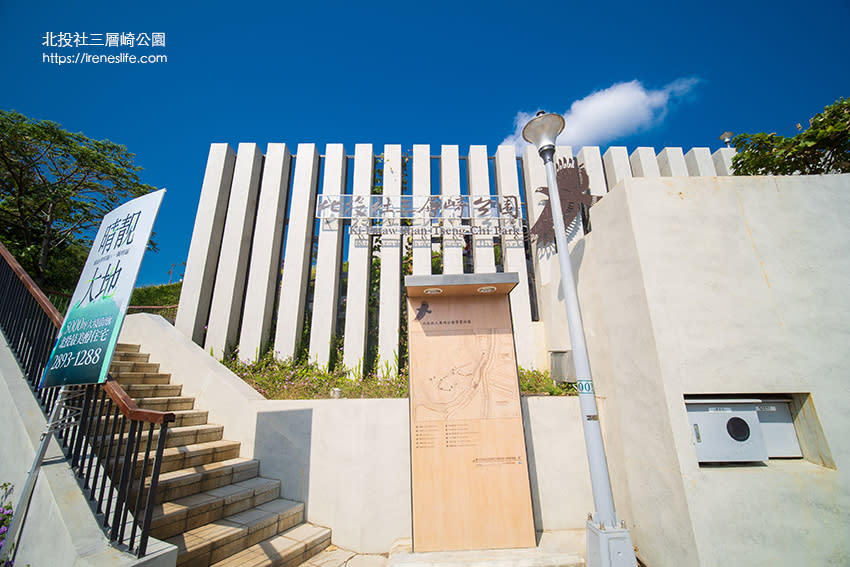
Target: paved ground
x,y
553,549
335,556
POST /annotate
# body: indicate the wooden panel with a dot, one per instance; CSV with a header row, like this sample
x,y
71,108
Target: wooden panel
x,y
359,255
469,471
325,295
450,187
421,187
390,290
297,254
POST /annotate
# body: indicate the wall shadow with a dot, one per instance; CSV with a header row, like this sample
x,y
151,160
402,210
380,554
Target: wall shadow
x,y
282,443
532,470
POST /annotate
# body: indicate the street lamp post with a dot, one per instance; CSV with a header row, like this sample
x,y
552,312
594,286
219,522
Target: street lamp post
x,y
608,541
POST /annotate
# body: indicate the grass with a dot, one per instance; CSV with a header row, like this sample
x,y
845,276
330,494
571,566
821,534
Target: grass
x,y
301,380
153,297
289,380
165,294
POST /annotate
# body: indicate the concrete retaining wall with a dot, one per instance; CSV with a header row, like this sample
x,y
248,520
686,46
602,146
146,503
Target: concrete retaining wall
x,y
349,460
60,527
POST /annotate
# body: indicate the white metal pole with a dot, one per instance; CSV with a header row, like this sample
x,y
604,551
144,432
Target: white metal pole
x,y
602,497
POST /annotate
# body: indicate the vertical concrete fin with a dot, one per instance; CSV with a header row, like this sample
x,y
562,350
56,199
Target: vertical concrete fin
x,y
478,174
390,290
575,228
722,159
591,159
617,167
326,291
298,252
230,281
265,253
421,243
548,274
359,260
513,259
671,163
450,187
202,261
699,162
644,163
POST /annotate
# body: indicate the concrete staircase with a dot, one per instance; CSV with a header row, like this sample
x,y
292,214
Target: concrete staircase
x,y
211,503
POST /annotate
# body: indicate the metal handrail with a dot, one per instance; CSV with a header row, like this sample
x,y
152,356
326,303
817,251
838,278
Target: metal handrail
x,y
98,450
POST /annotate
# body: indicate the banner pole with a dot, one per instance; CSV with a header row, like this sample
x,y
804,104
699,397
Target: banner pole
x,y
55,423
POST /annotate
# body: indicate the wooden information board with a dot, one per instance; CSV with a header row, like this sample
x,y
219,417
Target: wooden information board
x,y
469,472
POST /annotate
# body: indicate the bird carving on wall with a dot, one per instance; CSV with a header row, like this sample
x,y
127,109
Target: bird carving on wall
x,y
422,311
573,190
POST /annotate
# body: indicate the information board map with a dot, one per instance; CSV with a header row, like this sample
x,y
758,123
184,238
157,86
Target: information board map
x,y
469,468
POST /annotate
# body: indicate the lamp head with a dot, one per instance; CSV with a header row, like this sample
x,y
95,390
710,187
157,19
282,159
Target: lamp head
x,y
543,129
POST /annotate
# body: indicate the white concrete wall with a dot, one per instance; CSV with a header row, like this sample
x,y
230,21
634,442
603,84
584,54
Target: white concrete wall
x,y
349,460
60,527
721,285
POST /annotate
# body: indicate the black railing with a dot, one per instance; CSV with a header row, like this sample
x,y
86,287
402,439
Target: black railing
x,y
104,445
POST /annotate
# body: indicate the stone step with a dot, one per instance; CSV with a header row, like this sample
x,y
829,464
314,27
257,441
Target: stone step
x,y
153,390
166,404
127,347
182,418
184,456
129,377
177,437
219,540
130,357
288,549
190,512
192,434
119,366
192,480
189,417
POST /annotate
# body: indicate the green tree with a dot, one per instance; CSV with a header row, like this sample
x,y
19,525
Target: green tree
x,y
824,147
55,186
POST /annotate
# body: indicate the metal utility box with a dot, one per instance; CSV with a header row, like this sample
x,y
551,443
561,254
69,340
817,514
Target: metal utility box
x,y
777,427
726,430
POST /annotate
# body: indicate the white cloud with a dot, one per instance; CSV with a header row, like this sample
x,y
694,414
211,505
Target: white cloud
x,y
609,114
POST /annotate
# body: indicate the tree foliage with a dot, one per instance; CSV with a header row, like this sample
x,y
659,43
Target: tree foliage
x,y
824,147
55,186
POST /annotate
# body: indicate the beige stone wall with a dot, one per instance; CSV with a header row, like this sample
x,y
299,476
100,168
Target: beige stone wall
x,y
734,285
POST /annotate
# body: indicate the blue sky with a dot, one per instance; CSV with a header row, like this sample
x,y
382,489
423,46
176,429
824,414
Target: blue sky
x,y
624,73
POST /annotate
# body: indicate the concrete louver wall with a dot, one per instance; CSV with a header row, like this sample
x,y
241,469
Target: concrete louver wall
x,y
252,243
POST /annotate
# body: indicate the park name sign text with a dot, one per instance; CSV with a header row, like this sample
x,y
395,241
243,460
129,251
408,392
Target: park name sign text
x,y
423,215
87,339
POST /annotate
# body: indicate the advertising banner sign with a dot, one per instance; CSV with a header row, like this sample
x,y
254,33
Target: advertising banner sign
x,y
87,339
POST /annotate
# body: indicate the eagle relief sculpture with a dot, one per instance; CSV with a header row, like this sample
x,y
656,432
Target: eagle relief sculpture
x,y
573,190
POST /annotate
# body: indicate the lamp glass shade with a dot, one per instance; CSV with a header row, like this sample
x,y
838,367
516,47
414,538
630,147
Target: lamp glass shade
x,y
543,129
